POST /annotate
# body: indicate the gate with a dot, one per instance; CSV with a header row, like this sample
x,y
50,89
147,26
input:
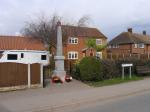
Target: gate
x,y
13,74
16,74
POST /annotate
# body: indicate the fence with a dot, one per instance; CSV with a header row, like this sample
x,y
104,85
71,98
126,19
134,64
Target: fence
x,y
125,56
16,74
69,64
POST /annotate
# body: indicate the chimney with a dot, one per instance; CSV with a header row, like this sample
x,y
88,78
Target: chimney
x,y
130,30
144,32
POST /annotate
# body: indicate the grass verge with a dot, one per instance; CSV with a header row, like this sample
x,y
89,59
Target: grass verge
x,y
113,81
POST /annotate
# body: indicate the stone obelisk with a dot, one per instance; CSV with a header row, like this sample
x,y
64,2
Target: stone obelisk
x,y
59,58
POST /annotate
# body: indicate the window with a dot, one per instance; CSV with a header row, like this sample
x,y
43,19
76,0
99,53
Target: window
x,y
1,52
135,45
43,57
98,41
141,45
76,40
22,55
109,46
72,55
73,40
12,56
99,55
115,46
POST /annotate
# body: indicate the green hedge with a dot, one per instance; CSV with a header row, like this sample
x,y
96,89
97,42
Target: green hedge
x,y
109,69
92,69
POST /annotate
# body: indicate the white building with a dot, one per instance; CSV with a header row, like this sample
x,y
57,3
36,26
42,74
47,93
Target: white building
x,y
23,50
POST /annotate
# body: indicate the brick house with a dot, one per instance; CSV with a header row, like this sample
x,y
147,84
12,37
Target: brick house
x,y
130,43
74,39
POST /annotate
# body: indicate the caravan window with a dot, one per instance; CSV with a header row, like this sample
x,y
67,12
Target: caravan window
x,y
22,55
12,56
43,57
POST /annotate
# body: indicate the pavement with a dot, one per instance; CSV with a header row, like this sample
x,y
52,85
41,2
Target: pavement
x,y
70,95
133,103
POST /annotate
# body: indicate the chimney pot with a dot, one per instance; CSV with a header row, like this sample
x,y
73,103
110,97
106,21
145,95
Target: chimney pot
x,y
130,30
144,32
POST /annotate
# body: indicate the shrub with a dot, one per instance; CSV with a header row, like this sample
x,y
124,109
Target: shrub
x,y
109,69
90,69
75,73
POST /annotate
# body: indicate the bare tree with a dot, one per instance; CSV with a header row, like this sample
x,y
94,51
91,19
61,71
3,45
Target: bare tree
x,y
83,21
45,28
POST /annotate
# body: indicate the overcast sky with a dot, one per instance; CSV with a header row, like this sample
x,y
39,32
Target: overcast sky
x,y
111,17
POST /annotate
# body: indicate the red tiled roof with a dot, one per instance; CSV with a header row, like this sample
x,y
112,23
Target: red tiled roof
x,y
82,31
20,43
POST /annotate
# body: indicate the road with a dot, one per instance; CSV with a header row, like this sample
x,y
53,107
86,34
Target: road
x,y
79,98
135,103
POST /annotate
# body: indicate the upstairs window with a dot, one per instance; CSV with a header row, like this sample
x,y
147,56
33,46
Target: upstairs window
x,y
115,46
109,46
135,45
141,45
73,40
72,55
43,57
98,41
12,56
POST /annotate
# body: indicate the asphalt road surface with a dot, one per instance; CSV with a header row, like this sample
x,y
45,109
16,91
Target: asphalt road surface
x,y
135,103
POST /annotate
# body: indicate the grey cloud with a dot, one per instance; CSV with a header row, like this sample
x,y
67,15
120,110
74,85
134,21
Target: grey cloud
x,y
110,16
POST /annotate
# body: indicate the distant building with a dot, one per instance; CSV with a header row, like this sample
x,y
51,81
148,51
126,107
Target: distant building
x,y
129,42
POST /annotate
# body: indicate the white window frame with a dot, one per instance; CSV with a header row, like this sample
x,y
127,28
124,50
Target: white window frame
x,y
135,45
100,42
115,46
73,55
141,45
73,40
109,46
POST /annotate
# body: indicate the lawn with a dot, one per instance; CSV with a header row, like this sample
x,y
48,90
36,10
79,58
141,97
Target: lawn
x,y
113,81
